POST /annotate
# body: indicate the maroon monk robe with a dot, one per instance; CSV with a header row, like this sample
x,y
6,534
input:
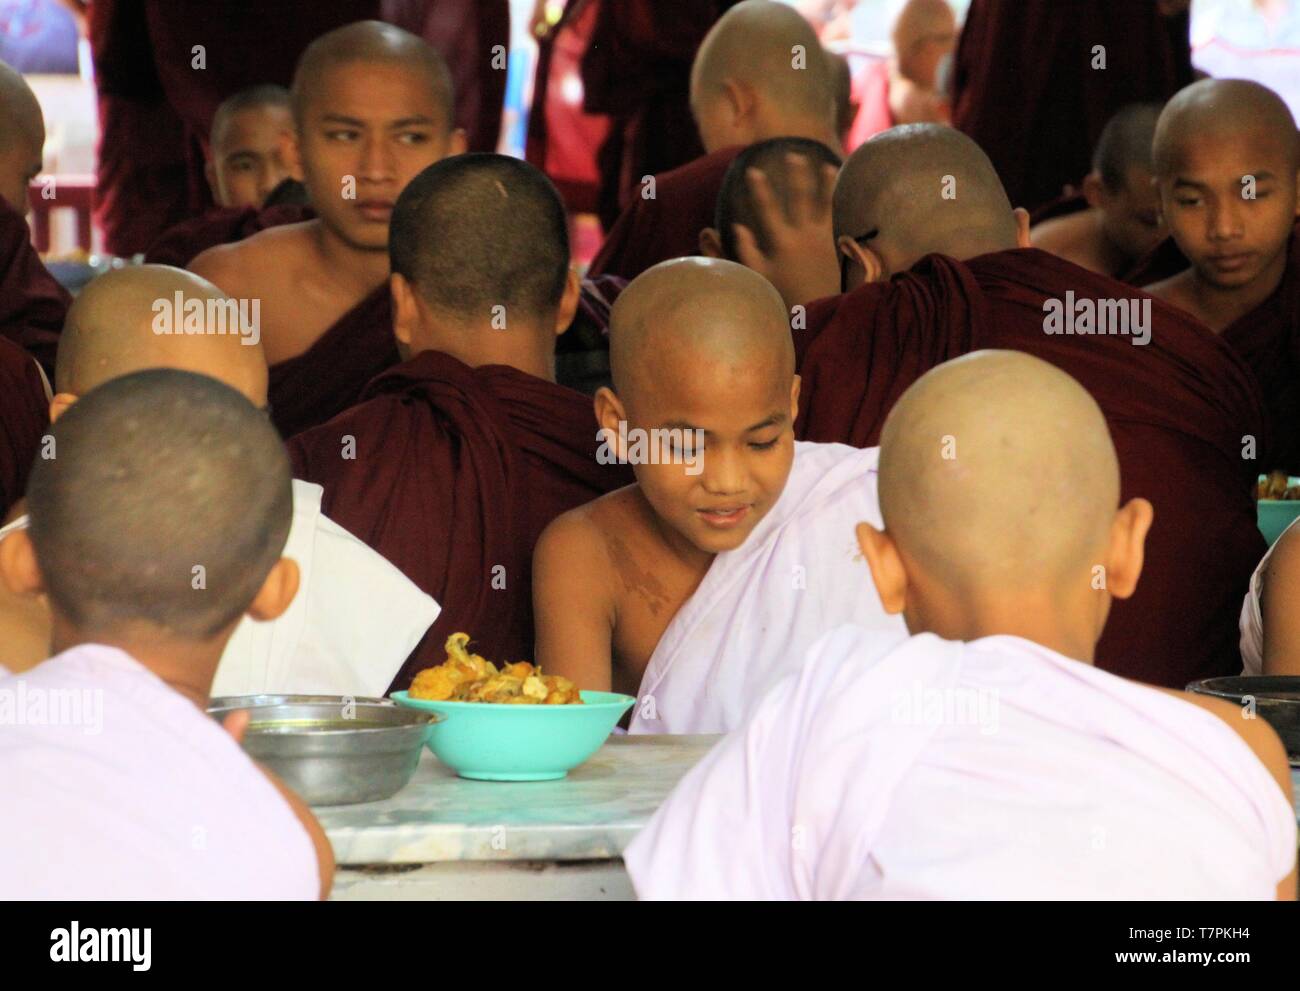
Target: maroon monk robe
x,y
1268,337
456,471
650,231
182,243
32,303
24,417
1024,85
329,376
1177,408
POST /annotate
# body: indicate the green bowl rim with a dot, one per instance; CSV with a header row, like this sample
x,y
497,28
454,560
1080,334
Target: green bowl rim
x,y
619,700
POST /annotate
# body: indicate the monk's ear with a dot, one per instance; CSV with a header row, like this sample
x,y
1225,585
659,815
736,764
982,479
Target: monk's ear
x,y
867,260
19,569
277,591
457,143
609,415
291,154
406,308
1093,190
210,173
60,404
1128,534
1297,193
1022,227
711,243
887,571
794,398
569,300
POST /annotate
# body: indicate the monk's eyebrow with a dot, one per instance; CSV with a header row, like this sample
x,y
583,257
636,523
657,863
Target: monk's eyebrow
x,y
417,121
771,421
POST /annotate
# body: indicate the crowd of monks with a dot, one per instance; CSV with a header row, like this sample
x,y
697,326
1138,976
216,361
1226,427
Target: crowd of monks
x,y
960,375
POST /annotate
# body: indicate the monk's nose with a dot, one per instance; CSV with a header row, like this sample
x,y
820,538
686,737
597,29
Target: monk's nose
x,y
377,163
1226,220
723,471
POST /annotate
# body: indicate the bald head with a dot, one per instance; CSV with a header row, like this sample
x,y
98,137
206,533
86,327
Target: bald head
x,y
370,42
772,158
160,477
129,319
761,73
998,475
1223,112
692,312
920,189
1125,144
22,137
924,32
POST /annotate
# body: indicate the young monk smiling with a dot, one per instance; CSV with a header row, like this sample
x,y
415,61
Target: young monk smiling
x,y
669,586
373,107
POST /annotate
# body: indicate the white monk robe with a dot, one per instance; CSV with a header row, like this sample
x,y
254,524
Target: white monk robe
x,y
1251,623
352,624
798,575
910,768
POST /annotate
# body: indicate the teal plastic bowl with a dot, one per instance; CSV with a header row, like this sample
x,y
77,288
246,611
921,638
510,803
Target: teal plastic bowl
x,y
1274,516
490,742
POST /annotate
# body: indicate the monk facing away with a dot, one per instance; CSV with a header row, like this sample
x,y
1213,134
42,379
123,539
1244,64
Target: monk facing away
x,y
1227,159
696,587
760,73
1121,219
372,107
937,264
355,617
984,756
161,477
455,460
32,303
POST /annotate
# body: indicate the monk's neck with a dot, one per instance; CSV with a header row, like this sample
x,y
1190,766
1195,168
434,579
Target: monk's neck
x,y
519,349
187,667
362,269
1071,633
1220,307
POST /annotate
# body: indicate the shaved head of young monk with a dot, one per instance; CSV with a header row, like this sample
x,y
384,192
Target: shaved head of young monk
x,y
916,190
373,107
132,319
158,523
251,135
22,137
1226,157
761,73
703,370
924,33
1121,184
999,490
480,257
785,163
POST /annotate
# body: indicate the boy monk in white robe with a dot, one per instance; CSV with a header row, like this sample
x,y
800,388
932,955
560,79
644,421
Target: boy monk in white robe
x,y
703,582
136,792
984,756
356,617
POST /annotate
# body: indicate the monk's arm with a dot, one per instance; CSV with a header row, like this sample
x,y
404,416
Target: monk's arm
x,y
572,604
223,266
1279,607
321,842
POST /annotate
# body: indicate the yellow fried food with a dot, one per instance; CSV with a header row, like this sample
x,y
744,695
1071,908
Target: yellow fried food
x,y
466,677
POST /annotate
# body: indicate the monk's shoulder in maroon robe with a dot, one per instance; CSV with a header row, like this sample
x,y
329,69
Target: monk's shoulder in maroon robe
x,y
667,225
451,473
328,377
181,244
24,417
32,303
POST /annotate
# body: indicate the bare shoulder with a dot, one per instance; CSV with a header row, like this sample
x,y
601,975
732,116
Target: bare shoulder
x,y
266,256
1174,290
580,535
1062,233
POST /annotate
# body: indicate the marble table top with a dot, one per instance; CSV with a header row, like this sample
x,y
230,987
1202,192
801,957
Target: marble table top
x,y
590,815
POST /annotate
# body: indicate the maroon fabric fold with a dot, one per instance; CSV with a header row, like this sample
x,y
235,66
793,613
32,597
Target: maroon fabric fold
x,y
181,244
1177,408
24,417
650,231
329,376
457,470
32,303
1025,89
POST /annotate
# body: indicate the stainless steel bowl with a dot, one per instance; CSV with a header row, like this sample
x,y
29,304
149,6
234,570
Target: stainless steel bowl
x,y
249,701
330,759
1277,702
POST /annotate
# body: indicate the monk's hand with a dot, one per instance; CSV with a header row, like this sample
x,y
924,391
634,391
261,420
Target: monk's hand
x,y
800,259
236,724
